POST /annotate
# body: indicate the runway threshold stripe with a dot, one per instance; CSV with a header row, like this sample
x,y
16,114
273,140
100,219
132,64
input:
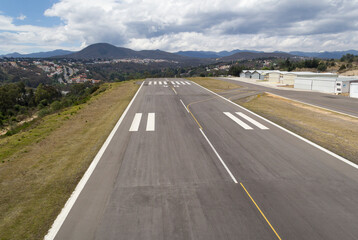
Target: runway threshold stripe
x,y
151,122
217,154
182,82
254,122
188,83
178,83
160,82
238,121
150,83
165,83
263,215
172,82
136,121
155,82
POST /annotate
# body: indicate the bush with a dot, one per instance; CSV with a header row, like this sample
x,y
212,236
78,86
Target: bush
x,y
322,67
56,105
342,67
45,111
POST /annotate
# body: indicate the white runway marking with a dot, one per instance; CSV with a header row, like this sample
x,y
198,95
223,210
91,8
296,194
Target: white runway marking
x,y
151,122
217,154
257,124
155,82
160,82
136,121
165,83
178,83
182,82
150,83
238,121
172,82
188,83
184,105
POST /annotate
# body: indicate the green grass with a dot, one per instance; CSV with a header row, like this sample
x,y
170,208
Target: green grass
x,y
40,167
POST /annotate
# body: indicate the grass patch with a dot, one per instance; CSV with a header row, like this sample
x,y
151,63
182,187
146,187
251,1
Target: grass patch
x,y
214,84
333,131
40,167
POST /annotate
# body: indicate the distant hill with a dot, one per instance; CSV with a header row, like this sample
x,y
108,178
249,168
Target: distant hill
x,y
254,55
325,55
108,51
49,54
210,54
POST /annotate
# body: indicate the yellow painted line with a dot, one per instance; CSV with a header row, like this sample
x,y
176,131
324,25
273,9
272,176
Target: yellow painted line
x,y
195,118
193,114
263,215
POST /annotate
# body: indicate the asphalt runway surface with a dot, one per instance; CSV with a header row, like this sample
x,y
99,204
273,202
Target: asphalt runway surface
x,y
186,164
338,103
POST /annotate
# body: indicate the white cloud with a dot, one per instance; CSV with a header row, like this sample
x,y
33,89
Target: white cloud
x,y
21,17
196,25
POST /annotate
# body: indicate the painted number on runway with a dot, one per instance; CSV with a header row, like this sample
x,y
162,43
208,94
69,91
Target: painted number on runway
x,y
150,126
245,121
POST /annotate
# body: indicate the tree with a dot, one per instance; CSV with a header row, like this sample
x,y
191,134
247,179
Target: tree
x,y
235,70
322,67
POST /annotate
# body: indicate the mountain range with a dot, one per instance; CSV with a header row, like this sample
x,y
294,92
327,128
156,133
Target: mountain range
x,y
38,54
108,51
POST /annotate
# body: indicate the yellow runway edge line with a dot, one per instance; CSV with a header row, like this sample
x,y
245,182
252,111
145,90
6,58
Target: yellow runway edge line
x,y
263,215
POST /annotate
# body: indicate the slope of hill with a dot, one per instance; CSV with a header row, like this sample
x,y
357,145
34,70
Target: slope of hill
x,y
210,54
326,55
255,55
108,51
49,54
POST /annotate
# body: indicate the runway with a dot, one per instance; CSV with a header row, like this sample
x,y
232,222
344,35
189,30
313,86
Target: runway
x,y
186,164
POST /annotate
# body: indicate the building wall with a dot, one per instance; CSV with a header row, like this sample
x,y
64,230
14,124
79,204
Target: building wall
x,y
256,75
327,86
274,77
242,74
289,79
303,83
248,75
353,90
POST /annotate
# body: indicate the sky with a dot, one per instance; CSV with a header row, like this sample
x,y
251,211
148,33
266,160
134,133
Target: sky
x,y
172,25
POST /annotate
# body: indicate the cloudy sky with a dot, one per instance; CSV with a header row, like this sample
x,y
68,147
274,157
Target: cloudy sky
x,y
173,25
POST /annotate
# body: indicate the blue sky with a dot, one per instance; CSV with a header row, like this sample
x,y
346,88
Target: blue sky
x,y
32,9
172,25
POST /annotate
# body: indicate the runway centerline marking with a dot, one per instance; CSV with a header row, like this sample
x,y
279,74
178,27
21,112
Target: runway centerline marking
x,y
217,154
184,106
263,215
175,91
238,121
151,122
254,122
136,122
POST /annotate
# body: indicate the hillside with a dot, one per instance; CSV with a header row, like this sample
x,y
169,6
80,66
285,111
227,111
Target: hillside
x,y
254,55
108,51
49,54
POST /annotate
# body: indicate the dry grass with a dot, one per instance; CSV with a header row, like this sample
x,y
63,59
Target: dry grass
x,y
336,132
40,168
214,84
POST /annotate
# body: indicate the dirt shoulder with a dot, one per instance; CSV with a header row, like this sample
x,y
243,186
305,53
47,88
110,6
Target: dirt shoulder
x,y
40,168
214,84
